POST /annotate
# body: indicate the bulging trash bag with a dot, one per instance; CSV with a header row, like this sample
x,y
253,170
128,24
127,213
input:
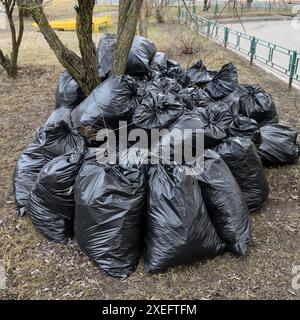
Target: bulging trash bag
x,y
158,109
178,227
112,101
223,83
57,135
135,157
105,52
198,74
193,97
164,86
279,145
26,172
140,56
139,59
56,117
175,71
236,125
213,132
109,215
51,204
68,93
60,138
159,86
219,112
243,160
245,127
54,139
256,104
190,133
225,203
159,62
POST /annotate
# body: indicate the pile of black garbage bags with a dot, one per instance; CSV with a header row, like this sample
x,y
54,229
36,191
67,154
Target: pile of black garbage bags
x,y
121,212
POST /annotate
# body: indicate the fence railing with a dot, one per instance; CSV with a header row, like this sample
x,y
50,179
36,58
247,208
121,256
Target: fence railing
x,y
278,58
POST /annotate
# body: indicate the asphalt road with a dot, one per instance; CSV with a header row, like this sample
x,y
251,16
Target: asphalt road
x,y
284,33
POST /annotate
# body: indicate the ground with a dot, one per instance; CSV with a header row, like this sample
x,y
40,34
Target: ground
x,y
39,269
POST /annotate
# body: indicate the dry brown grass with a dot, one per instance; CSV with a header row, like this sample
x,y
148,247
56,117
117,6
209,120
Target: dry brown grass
x,y
38,269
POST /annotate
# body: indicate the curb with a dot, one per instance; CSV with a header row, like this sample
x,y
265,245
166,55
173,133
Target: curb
x,y
256,19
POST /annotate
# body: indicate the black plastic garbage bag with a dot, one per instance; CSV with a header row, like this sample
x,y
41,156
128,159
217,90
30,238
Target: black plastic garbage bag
x,y
57,116
57,135
243,160
189,135
159,86
135,157
223,83
198,74
164,86
139,59
228,118
193,97
256,104
26,172
60,139
159,62
175,71
105,53
245,127
68,93
54,139
178,227
157,109
213,132
51,204
279,145
225,203
109,215
112,101
220,113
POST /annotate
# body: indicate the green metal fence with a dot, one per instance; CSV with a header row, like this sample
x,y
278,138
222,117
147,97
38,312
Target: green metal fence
x,y
276,57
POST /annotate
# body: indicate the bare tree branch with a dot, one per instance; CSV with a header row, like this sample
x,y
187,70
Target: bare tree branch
x,y
69,59
10,63
128,17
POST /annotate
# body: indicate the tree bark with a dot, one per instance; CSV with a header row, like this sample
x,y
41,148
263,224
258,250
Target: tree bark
x,y
4,62
128,17
249,3
160,8
143,20
88,78
205,5
10,64
84,29
84,69
66,57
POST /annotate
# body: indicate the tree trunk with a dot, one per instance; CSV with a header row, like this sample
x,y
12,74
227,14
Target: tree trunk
x,y
10,64
26,11
249,3
128,17
160,10
84,29
143,21
160,15
70,60
5,62
84,70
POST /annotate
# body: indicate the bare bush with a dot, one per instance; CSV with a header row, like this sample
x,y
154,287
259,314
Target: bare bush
x,y
185,41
